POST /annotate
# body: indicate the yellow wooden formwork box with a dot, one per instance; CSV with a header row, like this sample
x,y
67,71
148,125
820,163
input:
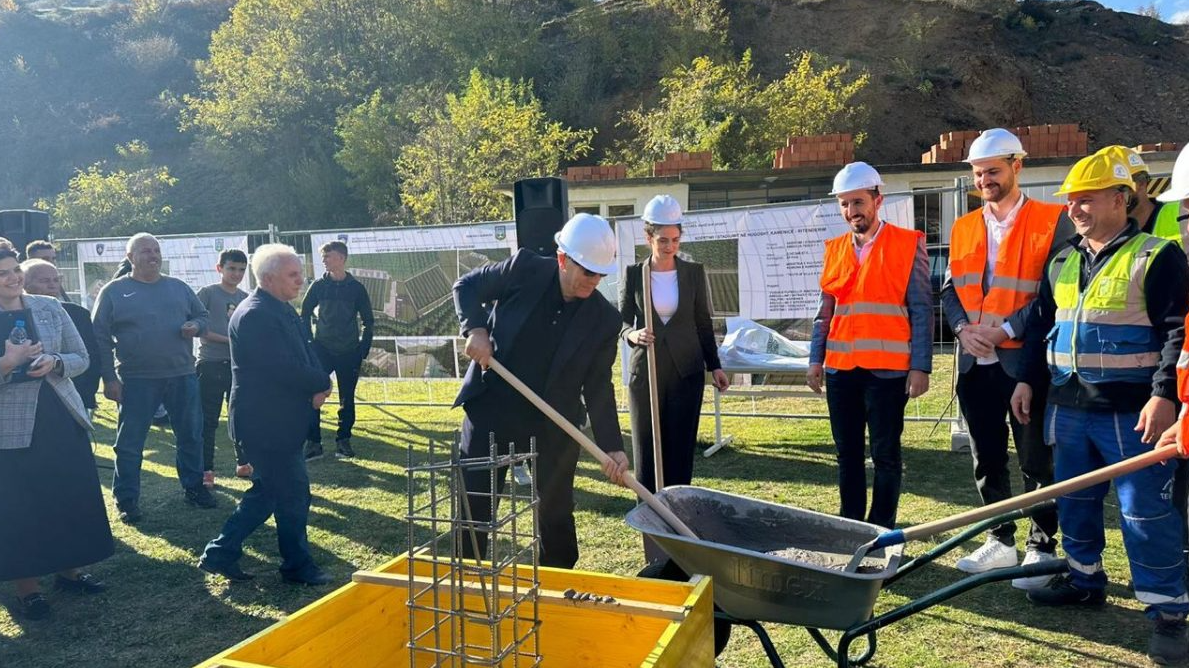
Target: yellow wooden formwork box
x,y
365,624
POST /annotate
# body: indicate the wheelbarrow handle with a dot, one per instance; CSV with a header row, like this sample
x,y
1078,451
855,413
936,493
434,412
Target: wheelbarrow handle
x,y
1130,465
594,450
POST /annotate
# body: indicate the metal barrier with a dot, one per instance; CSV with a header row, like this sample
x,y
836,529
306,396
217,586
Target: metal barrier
x,y
416,338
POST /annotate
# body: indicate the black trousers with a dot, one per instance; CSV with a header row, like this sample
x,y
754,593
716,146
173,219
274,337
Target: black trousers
x,y
345,367
859,400
557,459
214,388
680,401
984,393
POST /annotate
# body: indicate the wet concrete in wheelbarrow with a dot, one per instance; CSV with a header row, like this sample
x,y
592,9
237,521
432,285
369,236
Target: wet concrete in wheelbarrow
x,y
825,542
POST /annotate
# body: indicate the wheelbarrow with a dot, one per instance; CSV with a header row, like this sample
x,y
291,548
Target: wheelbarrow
x,y
744,545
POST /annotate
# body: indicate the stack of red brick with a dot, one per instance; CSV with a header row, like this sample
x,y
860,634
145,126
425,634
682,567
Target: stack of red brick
x,y
675,163
597,173
1162,146
950,147
820,151
1040,141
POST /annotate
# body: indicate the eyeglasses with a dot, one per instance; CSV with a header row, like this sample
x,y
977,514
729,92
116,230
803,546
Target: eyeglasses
x,y
590,274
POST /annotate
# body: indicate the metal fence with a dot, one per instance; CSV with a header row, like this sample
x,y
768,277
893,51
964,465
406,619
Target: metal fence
x,y
416,343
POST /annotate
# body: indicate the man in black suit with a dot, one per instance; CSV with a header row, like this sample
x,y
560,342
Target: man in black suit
x,y
542,319
276,385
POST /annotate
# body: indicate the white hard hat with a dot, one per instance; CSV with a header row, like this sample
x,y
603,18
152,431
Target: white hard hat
x,y
856,176
663,210
995,143
589,241
1178,188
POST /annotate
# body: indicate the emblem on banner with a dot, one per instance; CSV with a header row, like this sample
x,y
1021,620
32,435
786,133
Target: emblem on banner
x,y
219,243
501,232
99,249
343,238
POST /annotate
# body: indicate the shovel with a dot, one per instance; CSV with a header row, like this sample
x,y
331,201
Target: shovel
x,y
1053,491
654,404
595,451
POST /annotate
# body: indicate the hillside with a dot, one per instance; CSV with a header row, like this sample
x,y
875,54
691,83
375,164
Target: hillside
x,y
77,78
1121,76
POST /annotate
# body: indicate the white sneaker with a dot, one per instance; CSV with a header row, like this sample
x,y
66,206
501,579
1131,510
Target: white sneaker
x,y
1034,556
990,556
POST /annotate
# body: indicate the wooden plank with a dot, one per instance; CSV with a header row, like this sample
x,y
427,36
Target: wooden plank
x,y
545,597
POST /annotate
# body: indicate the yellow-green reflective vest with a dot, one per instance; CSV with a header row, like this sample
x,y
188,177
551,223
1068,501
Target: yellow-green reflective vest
x,y
1103,334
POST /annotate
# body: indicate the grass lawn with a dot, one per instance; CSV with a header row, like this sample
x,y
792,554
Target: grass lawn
x,y
161,611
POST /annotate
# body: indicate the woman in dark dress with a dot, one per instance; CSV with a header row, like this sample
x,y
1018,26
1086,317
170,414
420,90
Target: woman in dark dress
x,y
52,516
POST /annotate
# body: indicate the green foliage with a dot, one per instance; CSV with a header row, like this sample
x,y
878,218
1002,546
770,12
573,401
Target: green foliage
x,y
494,132
372,135
726,109
126,197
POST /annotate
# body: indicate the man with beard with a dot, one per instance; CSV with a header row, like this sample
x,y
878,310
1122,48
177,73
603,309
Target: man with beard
x,y
997,258
872,341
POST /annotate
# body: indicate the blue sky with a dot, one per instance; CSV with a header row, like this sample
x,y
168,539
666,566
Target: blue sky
x,y
1169,9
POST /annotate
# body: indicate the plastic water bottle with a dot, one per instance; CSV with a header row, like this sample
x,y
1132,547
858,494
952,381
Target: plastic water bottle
x,y
18,335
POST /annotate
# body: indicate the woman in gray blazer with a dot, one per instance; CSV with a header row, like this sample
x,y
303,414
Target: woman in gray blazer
x,y
685,347
52,517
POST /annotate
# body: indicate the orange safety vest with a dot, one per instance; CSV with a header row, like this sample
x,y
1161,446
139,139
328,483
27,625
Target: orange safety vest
x,y
870,327
1183,388
1019,266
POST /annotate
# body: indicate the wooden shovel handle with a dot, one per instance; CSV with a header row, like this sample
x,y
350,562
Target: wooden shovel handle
x,y
654,403
590,447
1053,491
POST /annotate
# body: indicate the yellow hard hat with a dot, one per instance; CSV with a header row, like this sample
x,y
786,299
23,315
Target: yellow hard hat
x,y
1096,172
1125,155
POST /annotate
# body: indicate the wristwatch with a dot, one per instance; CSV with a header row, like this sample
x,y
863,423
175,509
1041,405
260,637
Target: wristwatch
x,y
959,328
58,366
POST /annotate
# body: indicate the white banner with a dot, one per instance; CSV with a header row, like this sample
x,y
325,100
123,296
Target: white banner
x,y
190,259
780,250
404,240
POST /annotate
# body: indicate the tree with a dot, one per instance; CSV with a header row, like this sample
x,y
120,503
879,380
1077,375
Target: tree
x,y
123,198
726,109
372,135
494,132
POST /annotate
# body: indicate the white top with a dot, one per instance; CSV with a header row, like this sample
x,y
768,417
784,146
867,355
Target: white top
x,y
664,294
996,232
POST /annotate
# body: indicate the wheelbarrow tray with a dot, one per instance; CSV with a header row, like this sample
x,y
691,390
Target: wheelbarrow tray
x,y
806,586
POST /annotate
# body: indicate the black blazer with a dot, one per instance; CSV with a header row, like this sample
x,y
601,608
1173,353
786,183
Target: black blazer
x,y
688,337
581,368
274,375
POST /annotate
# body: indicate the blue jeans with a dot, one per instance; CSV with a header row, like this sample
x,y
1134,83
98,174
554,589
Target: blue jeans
x,y
280,488
1086,441
140,401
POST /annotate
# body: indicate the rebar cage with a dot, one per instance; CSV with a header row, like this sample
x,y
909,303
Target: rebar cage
x,y
467,611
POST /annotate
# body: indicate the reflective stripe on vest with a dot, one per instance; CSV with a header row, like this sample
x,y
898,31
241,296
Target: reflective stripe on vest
x,y
1103,334
1019,264
1167,226
1183,371
870,328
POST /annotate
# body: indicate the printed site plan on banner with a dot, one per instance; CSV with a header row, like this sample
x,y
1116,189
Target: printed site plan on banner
x,y
762,264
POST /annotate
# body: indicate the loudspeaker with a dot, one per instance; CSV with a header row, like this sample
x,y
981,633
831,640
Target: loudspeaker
x,y
541,206
20,226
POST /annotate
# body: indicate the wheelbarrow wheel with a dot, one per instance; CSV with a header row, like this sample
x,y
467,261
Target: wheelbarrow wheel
x,y
665,569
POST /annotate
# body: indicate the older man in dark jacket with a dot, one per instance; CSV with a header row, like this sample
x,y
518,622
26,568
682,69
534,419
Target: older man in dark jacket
x,y
276,385
549,326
